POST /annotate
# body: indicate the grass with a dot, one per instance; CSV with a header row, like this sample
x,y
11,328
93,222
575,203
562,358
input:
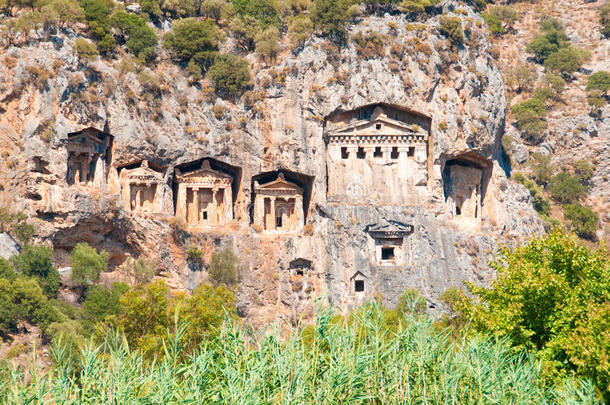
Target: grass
x,y
366,360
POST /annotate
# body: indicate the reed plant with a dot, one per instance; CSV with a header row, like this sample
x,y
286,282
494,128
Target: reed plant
x,y
354,360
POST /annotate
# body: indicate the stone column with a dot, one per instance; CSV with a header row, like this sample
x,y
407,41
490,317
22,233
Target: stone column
x,y
196,203
214,208
259,210
299,210
228,203
138,199
272,214
181,202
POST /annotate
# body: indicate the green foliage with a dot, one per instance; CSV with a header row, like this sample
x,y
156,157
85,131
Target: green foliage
x,y
329,362
598,85
16,225
566,188
604,19
499,18
190,36
230,76
549,41
6,270
101,303
583,170
68,12
496,27
416,6
268,43
23,300
541,167
539,201
265,11
225,268
331,17
141,40
36,262
451,27
148,314
583,220
552,295
141,271
599,81
85,49
370,44
566,60
245,29
529,116
300,28
87,264
555,84
522,77
97,13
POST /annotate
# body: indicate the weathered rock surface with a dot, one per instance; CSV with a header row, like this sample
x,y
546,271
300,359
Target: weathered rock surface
x,y
283,127
8,246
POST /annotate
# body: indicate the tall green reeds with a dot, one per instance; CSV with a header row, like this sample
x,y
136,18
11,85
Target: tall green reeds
x,y
335,362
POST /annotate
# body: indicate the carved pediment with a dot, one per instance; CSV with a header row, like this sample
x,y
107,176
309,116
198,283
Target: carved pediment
x,y
280,184
389,230
364,125
205,175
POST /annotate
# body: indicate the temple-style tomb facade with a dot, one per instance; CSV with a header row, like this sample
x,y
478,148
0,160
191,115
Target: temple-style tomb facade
x,y
142,187
388,239
278,205
376,154
89,153
204,195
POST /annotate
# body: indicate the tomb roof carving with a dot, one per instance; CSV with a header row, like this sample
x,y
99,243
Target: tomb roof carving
x,y
398,107
389,229
204,171
363,124
143,173
280,184
91,133
358,274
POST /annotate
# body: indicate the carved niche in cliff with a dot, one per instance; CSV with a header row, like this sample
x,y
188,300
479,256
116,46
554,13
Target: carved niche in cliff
x,y
377,153
142,187
89,153
280,200
205,191
465,180
388,239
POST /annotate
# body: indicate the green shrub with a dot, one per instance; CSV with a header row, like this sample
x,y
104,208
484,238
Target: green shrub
x,y
555,84
300,28
598,85
551,39
265,11
522,78
583,170
529,116
566,60
268,43
230,75
97,13
225,268
68,12
499,18
85,49
36,262
141,40
100,303
583,220
451,27
331,17
541,167
539,201
190,36
496,27
551,296
87,264
416,6
6,270
566,188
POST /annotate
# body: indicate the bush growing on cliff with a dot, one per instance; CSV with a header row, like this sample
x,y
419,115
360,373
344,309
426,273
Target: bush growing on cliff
x,y
549,41
539,201
230,75
87,264
331,18
566,188
300,28
583,220
140,39
370,44
36,262
598,85
190,36
452,28
499,18
85,50
552,296
265,11
566,60
225,268
529,116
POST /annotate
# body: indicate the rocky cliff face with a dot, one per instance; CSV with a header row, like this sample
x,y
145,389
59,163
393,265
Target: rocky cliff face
x,y
163,117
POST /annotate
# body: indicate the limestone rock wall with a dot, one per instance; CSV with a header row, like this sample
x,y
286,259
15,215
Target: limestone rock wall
x,y
461,90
